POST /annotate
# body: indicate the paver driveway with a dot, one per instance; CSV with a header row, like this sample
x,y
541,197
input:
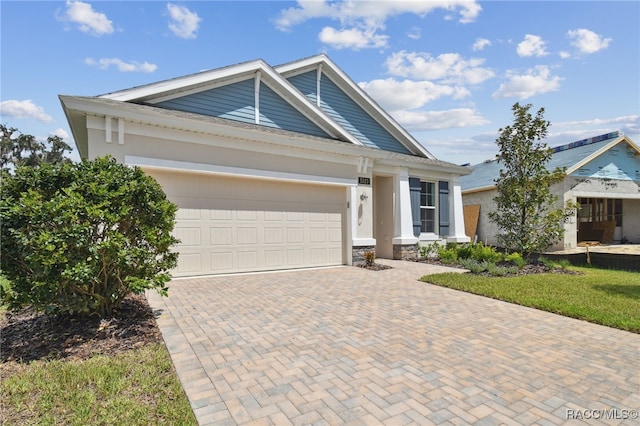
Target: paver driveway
x,y
347,345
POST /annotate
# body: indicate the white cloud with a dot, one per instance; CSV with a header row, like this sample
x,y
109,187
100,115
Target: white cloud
x,y
24,109
451,68
60,132
629,124
522,86
436,120
480,44
361,20
184,23
564,54
88,20
394,95
532,45
133,66
354,38
415,33
586,41
370,10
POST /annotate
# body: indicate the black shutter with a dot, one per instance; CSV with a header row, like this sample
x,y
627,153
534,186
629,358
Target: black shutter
x,y
414,191
443,207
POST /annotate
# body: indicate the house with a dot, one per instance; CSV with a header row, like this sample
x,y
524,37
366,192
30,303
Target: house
x,y
602,175
276,167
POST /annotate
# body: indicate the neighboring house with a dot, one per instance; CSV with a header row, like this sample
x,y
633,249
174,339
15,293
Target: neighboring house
x,y
276,167
602,176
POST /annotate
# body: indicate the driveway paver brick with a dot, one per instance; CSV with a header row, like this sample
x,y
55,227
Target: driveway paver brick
x,y
346,345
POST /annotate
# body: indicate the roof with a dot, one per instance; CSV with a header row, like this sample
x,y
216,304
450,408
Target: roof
x,y
194,122
570,156
157,92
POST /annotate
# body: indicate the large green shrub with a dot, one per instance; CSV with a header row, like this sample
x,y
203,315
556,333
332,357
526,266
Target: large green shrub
x,y
78,238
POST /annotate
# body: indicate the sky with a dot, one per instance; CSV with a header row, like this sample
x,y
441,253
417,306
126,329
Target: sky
x,y
449,71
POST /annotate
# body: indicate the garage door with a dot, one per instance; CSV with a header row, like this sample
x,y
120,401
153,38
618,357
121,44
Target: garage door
x,y
240,224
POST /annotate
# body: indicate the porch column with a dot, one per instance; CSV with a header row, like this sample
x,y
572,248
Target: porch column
x,y
456,230
404,242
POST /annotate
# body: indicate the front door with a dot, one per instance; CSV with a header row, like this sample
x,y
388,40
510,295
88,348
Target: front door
x,y
383,216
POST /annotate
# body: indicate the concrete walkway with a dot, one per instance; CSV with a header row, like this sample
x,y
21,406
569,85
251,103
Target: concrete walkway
x,y
346,345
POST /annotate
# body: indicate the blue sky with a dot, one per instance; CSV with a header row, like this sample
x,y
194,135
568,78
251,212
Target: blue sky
x,y
448,71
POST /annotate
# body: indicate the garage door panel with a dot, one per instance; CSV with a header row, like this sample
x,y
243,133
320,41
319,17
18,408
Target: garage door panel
x,y
335,235
274,258
188,214
236,224
247,259
220,214
274,235
189,263
247,235
222,261
221,236
295,235
188,236
273,216
317,235
295,257
295,216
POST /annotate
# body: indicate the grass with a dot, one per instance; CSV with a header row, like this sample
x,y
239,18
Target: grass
x,y
137,387
601,296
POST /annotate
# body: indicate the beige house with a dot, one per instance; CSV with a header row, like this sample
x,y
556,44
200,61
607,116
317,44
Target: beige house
x,y
276,167
602,176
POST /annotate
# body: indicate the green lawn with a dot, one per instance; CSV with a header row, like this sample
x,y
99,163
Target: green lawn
x,y
606,297
138,387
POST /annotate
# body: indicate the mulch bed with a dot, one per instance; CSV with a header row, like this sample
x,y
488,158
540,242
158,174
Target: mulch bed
x,y
528,269
27,336
374,266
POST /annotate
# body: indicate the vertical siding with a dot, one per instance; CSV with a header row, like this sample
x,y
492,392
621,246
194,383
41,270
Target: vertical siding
x,y
349,115
276,112
234,102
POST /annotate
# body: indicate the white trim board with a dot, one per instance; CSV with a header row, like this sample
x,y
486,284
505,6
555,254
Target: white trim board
x,y
185,166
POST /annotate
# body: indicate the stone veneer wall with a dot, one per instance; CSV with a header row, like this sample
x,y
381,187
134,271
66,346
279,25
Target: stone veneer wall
x,y
357,254
405,252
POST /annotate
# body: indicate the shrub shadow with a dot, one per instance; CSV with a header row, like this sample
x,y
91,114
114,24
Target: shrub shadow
x,y
632,292
27,336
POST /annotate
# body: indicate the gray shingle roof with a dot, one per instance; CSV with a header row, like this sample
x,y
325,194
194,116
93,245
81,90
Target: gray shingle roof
x,y
568,155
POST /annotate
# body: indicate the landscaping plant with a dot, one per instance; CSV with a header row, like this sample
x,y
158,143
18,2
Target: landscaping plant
x,y
528,214
78,238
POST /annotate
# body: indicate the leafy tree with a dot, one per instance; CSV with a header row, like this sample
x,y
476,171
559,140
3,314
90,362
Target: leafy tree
x,y
17,149
528,216
79,237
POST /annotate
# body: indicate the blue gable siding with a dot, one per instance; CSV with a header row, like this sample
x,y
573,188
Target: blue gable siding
x,y
337,105
276,112
236,102
306,83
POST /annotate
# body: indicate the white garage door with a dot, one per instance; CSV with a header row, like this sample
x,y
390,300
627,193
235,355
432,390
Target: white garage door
x,y
241,225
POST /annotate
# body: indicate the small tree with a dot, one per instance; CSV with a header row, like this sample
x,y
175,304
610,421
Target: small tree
x,y
17,149
527,215
78,238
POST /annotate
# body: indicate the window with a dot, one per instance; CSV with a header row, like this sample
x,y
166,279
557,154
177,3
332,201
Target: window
x,y
427,207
